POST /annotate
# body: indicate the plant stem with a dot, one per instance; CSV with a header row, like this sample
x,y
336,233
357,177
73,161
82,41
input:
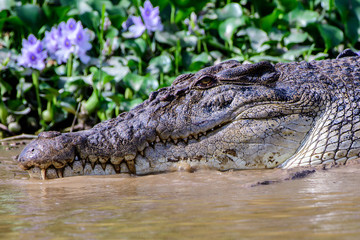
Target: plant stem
x,y
140,66
69,66
35,78
172,16
177,57
101,40
162,79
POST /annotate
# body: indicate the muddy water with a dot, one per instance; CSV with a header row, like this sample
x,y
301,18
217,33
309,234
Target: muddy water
x,y
181,205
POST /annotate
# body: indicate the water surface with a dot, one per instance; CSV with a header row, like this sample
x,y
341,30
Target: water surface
x,y
180,205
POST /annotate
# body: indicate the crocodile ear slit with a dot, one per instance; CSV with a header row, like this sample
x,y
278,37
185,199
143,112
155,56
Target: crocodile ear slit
x,y
261,73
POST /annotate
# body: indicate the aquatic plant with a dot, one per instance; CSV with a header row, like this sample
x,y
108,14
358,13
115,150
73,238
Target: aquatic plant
x,y
99,58
32,53
68,38
151,18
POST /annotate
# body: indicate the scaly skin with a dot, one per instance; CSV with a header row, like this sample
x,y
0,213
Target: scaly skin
x,y
228,116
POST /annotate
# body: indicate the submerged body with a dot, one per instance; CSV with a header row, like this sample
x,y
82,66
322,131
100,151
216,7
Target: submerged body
x,y
228,116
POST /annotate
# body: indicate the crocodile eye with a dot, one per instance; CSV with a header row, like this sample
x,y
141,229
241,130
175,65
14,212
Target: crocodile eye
x,y
206,82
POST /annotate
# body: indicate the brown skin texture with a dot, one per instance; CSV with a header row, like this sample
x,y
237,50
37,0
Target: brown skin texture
x,y
228,116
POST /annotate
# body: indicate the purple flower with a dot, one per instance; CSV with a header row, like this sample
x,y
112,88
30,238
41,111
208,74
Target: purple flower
x,y
69,38
137,28
65,48
51,41
151,17
192,23
107,23
81,39
32,54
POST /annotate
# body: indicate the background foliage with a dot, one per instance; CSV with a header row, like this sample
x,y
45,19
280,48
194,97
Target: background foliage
x,y
123,71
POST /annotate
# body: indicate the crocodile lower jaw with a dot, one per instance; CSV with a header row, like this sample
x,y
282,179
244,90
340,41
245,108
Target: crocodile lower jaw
x,y
79,168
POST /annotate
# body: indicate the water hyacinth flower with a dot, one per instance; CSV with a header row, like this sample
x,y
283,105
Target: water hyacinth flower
x,y
149,20
69,38
51,41
32,54
135,26
193,26
151,17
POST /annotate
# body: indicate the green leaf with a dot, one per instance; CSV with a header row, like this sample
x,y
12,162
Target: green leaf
x,y
91,20
198,61
350,16
92,103
232,10
257,38
166,38
328,4
55,14
184,4
331,35
3,112
229,26
160,64
150,84
31,15
68,107
138,45
302,18
286,5
134,81
97,5
24,111
293,54
111,32
267,22
6,4
295,37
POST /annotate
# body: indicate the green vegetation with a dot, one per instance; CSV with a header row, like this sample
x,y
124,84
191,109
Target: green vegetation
x,y
124,67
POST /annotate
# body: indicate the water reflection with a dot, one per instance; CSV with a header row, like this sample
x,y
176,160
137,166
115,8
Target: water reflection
x,y
201,205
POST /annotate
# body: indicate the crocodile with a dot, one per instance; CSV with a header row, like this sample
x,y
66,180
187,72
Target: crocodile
x,y
227,116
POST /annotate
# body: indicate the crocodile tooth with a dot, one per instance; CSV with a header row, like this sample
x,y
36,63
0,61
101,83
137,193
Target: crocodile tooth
x,y
131,166
43,173
117,168
196,136
76,158
60,172
164,141
190,137
141,153
92,165
103,159
176,141
116,160
157,139
185,140
103,165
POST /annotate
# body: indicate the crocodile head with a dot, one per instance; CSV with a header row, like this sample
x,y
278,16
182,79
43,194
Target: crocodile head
x,y
228,116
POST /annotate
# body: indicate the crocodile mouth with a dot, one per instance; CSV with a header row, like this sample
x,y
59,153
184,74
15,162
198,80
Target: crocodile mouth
x,y
95,165
80,167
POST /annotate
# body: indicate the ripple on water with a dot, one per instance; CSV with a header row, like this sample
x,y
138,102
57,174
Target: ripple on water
x,y
180,205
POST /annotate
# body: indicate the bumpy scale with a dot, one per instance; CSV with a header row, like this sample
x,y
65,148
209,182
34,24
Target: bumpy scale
x,y
228,116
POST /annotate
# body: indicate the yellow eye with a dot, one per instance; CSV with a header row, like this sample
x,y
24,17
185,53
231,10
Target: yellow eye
x,y
206,82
